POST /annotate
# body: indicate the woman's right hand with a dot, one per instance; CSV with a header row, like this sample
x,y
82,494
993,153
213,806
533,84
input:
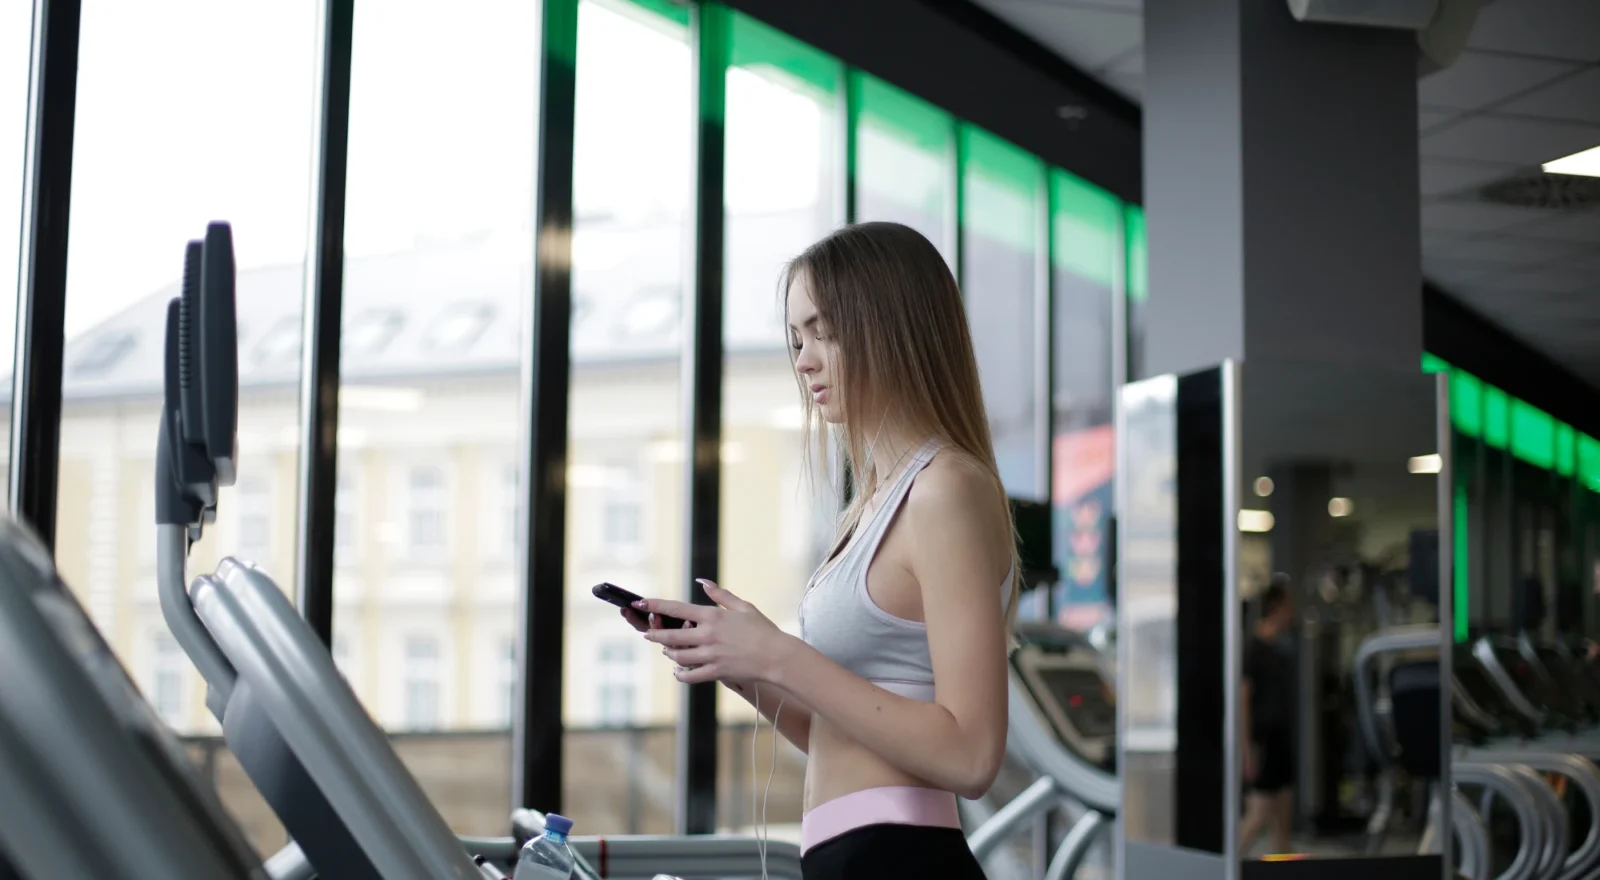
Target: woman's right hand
x,y
640,622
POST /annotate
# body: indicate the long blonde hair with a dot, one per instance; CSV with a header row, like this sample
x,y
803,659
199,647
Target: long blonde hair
x,y
900,329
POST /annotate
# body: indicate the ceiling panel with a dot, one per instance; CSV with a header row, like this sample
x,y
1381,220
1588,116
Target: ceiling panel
x,y
1575,97
1568,29
1476,217
1432,117
1582,227
1524,142
1501,248
1547,279
1480,78
1442,176
1090,35
1528,91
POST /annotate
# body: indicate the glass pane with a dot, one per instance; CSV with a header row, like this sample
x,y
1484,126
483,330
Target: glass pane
x,y
632,198
904,161
1345,547
782,174
1086,245
16,32
149,172
1002,188
438,271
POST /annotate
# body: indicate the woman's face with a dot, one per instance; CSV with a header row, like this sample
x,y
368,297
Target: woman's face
x,y
815,352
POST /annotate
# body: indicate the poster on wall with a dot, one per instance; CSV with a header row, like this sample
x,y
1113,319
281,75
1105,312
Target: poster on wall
x,y
1085,465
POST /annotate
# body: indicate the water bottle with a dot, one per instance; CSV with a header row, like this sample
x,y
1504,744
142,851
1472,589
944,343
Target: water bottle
x,y
547,857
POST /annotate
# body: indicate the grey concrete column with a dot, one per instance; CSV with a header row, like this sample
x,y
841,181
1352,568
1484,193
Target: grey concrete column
x,y
1281,188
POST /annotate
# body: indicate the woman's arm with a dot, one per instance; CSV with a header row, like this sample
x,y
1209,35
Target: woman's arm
x,y
960,549
795,720
959,556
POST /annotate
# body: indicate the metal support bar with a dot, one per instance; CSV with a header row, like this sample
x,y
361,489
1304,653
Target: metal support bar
x,y
546,377
1041,796
1069,856
697,726
42,266
319,351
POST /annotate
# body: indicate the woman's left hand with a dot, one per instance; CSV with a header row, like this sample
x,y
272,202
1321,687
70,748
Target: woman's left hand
x,y
731,641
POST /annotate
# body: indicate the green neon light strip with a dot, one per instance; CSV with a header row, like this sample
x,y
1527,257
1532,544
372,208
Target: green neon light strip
x,y
1138,255
1434,364
1533,435
902,115
1001,191
1466,403
1085,226
760,47
1566,449
1589,462
1496,417
677,13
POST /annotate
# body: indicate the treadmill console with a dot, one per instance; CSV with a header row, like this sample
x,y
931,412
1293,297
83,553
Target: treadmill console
x,y
1071,691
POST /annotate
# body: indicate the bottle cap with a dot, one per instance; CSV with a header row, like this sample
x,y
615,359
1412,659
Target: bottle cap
x,y
558,824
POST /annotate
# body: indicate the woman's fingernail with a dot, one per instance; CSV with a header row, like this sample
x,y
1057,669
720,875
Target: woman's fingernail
x,y
639,604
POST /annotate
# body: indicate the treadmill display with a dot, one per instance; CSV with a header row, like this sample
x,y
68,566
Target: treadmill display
x,y
1081,695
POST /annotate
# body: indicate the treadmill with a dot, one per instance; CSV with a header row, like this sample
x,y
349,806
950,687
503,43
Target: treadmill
x,y
95,785
327,770
1488,756
1062,726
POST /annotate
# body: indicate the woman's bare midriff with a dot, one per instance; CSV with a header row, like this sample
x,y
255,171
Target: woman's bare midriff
x,y
837,765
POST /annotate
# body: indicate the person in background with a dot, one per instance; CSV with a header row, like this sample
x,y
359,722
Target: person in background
x,y
1266,707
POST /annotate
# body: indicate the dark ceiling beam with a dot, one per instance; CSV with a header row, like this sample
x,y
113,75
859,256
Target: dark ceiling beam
x,y
1466,339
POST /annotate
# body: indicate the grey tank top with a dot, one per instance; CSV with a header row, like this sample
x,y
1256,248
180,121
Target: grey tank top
x,y
840,619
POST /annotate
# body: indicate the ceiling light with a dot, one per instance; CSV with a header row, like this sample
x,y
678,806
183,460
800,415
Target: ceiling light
x,y
1426,464
1255,521
1585,164
1340,507
1263,486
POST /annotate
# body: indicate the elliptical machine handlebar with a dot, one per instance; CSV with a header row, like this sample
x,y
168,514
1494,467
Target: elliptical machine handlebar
x,y
197,440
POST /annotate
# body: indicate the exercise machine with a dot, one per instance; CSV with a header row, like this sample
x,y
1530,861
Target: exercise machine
x,y
95,785
1062,726
326,769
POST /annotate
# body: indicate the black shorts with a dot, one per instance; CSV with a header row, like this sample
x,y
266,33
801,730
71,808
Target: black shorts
x,y
1274,761
880,852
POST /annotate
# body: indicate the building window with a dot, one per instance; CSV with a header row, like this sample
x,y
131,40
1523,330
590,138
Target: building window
x,y
614,684
255,519
166,679
341,655
510,506
622,511
426,515
346,504
508,680
422,677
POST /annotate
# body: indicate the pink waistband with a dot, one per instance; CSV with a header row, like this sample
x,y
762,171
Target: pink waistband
x,y
890,805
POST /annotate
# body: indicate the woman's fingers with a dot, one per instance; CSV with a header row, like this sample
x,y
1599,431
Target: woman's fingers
x,y
697,675
680,610
678,638
636,620
722,596
689,656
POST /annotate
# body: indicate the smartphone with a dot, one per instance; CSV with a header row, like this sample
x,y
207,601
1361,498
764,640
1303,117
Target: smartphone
x,y
625,599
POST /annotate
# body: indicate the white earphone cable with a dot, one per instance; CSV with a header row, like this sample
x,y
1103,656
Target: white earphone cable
x,y
765,833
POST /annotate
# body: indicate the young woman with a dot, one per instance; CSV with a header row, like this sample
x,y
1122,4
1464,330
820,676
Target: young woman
x,y
896,687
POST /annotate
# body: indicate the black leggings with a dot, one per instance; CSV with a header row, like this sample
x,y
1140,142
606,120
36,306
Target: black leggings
x,y
884,852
